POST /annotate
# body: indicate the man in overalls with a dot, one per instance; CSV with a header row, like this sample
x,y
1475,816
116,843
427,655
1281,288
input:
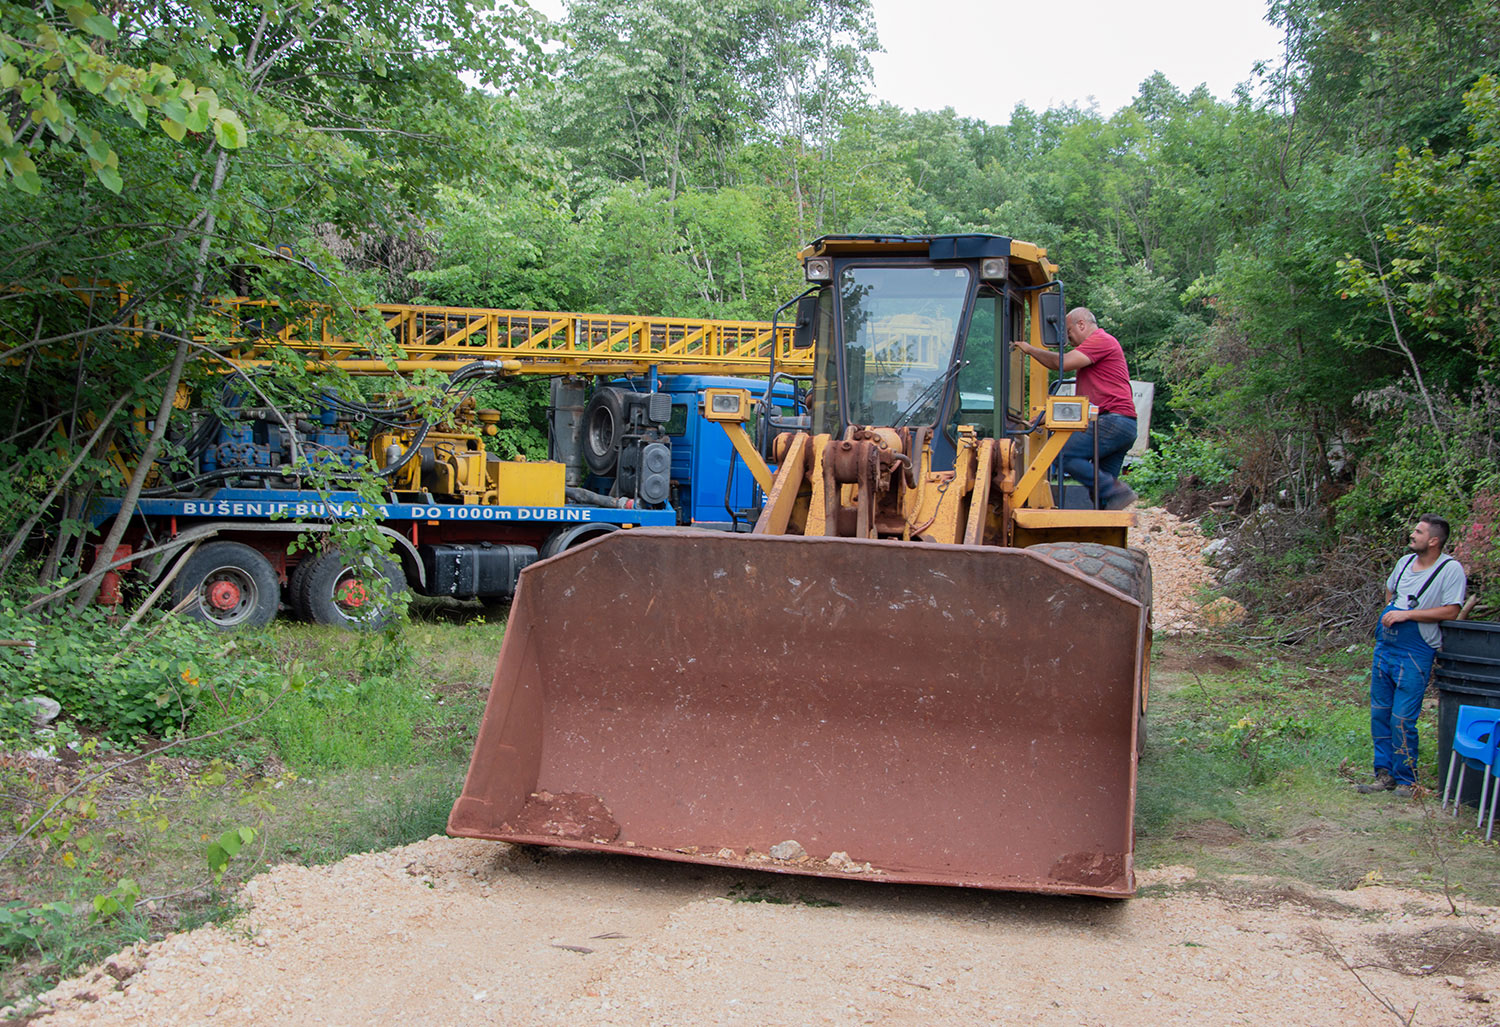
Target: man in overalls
x,y
1426,588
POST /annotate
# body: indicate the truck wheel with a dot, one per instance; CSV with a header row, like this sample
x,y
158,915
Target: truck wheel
x,y
296,587
234,586
1125,570
573,535
603,425
337,591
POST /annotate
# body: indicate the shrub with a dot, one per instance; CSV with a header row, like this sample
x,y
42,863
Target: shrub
x,y
149,683
1477,547
1178,455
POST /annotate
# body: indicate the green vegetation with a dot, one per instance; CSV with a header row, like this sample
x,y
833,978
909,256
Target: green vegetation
x,y
1179,459
361,744
1306,270
1250,767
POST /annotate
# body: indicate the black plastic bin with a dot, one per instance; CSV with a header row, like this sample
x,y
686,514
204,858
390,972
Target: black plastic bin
x,y
1467,673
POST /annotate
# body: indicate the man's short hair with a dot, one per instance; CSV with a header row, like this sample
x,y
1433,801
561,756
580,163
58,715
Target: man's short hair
x,y
1438,525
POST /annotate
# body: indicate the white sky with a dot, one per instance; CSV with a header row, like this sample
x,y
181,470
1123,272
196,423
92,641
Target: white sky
x,y
967,55
961,54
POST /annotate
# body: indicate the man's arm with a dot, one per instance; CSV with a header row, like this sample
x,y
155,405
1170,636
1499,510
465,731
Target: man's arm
x,y
1071,361
1431,615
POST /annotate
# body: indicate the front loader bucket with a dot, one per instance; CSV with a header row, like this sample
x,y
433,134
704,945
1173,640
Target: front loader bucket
x,y
904,711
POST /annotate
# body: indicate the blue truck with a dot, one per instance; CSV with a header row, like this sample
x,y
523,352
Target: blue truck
x,y
238,536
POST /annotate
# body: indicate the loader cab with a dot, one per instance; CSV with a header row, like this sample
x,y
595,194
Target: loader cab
x,y
902,326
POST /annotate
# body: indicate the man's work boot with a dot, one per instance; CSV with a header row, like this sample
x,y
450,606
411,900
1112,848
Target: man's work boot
x,y
1383,782
1122,498
1404,791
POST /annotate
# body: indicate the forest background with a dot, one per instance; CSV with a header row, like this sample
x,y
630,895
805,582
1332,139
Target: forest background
x,y
1308,271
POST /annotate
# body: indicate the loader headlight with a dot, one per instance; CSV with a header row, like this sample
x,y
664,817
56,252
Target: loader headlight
x,y
994,269
818,269
1066,412
726,404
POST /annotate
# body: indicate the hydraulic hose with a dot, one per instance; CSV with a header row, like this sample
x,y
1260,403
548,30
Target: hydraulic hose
x,y
587,497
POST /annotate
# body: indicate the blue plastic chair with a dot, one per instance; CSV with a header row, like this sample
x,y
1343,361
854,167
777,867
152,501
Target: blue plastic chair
x,y
1475,740
1492,772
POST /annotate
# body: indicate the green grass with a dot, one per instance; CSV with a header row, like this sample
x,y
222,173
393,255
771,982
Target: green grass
x,y
1250,769
394,699
345,813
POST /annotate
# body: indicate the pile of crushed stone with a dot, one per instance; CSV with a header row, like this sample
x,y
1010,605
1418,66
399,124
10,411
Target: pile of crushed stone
x,y
1183,583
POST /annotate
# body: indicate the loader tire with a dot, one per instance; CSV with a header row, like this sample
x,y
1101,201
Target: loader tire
x,y
228,585
1124,570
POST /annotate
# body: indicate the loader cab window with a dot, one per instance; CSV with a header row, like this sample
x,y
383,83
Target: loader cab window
x,y
900,332
977,379
989,367
1016,405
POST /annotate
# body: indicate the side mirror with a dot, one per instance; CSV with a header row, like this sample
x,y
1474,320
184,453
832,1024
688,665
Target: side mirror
x,y
802,329
1054,328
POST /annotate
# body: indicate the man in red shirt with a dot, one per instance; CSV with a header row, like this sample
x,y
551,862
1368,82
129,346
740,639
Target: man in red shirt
x,y
1099,361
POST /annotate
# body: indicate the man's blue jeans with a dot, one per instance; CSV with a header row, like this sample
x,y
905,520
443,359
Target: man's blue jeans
x,y
1116,436
1398,681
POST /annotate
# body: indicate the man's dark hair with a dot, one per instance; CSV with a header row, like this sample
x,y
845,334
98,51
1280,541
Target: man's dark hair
x,y
1438,525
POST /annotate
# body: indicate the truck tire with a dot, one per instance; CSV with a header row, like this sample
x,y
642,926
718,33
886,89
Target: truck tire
x,y
603,427
1125,570
574,535
336,591
296,587
235,586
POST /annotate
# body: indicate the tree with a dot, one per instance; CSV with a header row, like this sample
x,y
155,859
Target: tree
x,y
1436,265
267,120
648,91
810,71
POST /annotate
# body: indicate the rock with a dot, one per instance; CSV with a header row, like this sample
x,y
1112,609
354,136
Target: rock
x,y
839,859
1218,547
43,709
788,850
1233,574
1222,612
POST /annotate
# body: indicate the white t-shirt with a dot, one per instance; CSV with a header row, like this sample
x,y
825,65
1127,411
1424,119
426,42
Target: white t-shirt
x,y
1448,588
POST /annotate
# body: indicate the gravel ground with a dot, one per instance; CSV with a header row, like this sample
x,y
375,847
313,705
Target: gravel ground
x,y
450,931
1180,577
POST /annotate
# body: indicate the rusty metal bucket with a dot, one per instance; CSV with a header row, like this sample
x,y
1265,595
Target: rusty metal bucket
x,y
905,712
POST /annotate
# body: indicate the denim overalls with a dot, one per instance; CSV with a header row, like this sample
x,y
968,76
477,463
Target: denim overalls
x,y
1398,681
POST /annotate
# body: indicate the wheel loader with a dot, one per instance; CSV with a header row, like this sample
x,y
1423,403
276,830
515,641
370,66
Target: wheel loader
x,y
920,666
